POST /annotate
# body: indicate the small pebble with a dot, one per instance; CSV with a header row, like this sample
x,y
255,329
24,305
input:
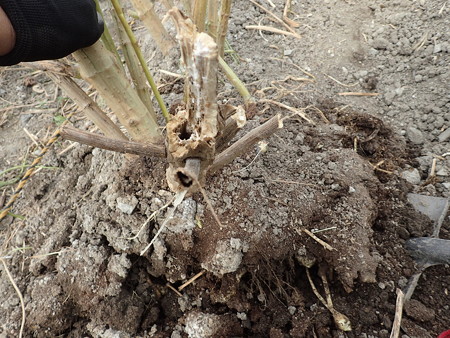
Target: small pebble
x,y
415,135
411,175
380,43
127,204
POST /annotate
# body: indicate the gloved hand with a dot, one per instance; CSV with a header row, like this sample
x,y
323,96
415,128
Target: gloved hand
x,y
50,29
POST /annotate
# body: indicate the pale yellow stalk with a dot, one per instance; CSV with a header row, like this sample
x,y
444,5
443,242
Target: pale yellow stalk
x,y
152,22
88,106
223,25
100,68
133,65
199,14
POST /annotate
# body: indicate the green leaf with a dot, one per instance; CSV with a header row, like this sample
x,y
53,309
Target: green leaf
x,y
59,119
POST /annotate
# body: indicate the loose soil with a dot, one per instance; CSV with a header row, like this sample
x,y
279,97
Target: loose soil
x,y
76,254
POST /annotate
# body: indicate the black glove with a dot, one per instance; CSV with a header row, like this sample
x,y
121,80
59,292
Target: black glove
x,y
50,29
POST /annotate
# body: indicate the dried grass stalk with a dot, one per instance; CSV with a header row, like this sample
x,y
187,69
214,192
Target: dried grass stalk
x,y
212,23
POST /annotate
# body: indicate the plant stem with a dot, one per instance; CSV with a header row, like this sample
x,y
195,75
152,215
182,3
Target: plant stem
x,y
213,18
140,56
154,25
89,107
101,69
223,26
133,65
199,14
99,141
106,36
245,143
236,82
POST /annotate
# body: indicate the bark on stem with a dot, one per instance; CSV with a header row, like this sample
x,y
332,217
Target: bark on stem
x,y
147,14
245,143
88,106
121,146
101,69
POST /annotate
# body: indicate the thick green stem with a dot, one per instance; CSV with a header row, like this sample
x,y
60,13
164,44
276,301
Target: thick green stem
x,y
140,56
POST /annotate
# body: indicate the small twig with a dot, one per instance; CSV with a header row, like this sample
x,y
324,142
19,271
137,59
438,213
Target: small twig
x,y
179,197
322,230
377,168
3,199
152,216
287,8
276,18
433,168
193,279
341,320
294,110
342,84
398,314
358,94
33,138
121,146
70,147
313,287
209,204
174,290
19,294
175,75
296,66
262,148
272,30
317,239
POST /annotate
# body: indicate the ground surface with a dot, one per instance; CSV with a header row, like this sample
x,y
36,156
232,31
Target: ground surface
x,y
76,255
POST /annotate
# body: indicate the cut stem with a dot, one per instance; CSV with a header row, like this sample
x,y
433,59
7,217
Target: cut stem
x,y
121,146
191,133
245,143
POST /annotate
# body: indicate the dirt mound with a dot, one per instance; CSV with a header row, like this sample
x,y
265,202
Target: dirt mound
x,y
310,178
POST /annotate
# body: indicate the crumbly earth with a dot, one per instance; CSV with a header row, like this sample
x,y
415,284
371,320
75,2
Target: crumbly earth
x,y
77,255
